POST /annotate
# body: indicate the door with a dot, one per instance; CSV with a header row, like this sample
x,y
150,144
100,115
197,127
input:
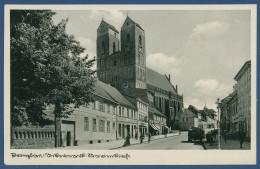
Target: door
x,y
68,138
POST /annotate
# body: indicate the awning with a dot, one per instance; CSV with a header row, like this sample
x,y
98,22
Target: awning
x,y
167,127
153,126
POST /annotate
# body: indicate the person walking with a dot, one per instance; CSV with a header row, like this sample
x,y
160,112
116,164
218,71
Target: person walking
x,y
141,138
149,137
242,136
127,140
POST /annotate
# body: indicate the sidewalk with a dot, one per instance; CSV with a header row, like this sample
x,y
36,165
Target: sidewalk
x,y
229,145
113,144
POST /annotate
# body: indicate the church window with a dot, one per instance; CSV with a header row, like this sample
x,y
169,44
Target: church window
x,y
128,37
103,47
114,47
114,62
140,40
138,59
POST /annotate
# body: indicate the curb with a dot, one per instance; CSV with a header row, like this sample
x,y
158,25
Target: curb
x,y
144,142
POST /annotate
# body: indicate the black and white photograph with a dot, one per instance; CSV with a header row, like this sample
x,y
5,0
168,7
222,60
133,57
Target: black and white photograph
x,y
121,78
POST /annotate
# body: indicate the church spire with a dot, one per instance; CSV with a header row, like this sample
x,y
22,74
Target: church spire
x,y
205,107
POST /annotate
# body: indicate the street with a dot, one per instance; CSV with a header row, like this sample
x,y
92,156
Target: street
x,y
172,143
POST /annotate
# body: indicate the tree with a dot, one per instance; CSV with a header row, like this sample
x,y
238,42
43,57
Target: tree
x,y
46,69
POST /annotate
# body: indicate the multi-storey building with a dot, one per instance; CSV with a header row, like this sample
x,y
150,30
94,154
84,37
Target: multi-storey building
x,y
123,65
236,107
92,123
243,79
192,117
142,109
126,112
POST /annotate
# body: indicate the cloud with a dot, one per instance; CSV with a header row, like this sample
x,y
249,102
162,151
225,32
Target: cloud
x,y
163,63
209,30
209,85
113,17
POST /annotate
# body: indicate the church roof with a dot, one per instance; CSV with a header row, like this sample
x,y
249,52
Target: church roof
x,y
110,26
158,80
116,95
134,23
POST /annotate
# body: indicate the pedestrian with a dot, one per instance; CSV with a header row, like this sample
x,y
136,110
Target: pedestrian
x,y
225,136
149,137
141,138
127,140
242,136
179,132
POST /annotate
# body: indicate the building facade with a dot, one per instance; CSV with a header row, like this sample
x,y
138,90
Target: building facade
x,y
243,79
92,123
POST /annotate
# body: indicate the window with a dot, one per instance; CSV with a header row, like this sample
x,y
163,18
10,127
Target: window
x,y
108,108
114,126
101,107
86,124
101,125
120,111
114,110
108,127
140,40
127,112
138,58
94,125
114,62
128,37
114,47
95,105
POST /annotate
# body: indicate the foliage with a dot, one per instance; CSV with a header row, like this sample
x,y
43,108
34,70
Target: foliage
x,y
45,68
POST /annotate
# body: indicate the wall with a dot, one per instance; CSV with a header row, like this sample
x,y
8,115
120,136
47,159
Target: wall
x,y
33,137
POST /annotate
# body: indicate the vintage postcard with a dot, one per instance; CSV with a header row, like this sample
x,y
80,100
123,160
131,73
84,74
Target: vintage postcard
x,y
130,84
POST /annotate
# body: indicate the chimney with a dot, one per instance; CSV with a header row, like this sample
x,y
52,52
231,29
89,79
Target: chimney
x,y
177,88
169,77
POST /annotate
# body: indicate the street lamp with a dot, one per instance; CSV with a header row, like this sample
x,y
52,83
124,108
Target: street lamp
x,y
218,107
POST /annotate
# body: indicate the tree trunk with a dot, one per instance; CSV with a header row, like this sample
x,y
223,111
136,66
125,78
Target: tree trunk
x,y
57,124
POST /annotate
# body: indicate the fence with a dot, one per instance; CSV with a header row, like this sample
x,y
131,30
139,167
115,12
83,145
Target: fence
x,y
33,137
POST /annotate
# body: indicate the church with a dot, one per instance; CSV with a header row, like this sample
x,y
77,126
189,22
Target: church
x,y
121,63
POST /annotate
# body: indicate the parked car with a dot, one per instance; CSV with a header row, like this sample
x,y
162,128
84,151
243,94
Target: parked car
x,y
195,133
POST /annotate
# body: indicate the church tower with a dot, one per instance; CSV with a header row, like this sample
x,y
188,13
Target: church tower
x,y
133,51
107,50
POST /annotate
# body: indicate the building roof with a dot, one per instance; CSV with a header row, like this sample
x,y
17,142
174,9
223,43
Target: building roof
x,y
158,80
116,95
99,91
155,111
136,93
190,112
242,70
210,112
110,26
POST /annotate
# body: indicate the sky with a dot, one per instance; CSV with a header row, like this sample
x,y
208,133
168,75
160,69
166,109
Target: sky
x,y
203,50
